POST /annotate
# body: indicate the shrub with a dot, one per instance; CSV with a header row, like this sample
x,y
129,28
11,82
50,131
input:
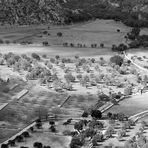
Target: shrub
x,y
36,56
118,60
7,42
76,142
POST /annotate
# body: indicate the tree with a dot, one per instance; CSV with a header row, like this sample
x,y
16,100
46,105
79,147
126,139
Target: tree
x,y
121,134
118,60
109,115
102,45
31,129
69,77
93,60
45,43
52,60
38,123
109,131
36,56
4,146
52,128
11,143
85,114
128,91
19,138
37,145
114,48
96,114
59,34
130,144
98,137
78,126
135,31
52,123
103,97
1,41
57,57
26,134
141,141
76,142
89,132
95,124
122,47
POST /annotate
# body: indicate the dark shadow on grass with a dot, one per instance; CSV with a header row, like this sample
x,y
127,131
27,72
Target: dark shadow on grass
x,y
122,140
127,136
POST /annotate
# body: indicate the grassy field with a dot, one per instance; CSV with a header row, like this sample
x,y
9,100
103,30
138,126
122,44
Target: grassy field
x,y
131,106
99,31
39,101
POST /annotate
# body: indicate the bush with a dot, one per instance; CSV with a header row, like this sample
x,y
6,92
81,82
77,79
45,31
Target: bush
x,y
7,42
36,56
118,60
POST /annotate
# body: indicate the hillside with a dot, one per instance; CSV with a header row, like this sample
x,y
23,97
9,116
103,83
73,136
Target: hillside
x,y
132,13
22,12
30,12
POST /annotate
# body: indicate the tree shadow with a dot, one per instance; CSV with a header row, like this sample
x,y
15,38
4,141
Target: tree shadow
x,y
127,136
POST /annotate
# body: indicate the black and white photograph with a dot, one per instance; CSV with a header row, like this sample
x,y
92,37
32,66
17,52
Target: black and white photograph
x,y
73,73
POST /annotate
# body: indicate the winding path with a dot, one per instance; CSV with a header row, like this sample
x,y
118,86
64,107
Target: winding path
x,y
136,117
135,63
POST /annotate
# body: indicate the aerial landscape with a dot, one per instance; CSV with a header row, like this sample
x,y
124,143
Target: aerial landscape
x,y
74,73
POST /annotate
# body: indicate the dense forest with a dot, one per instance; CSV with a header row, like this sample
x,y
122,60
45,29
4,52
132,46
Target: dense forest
x,y
132,13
